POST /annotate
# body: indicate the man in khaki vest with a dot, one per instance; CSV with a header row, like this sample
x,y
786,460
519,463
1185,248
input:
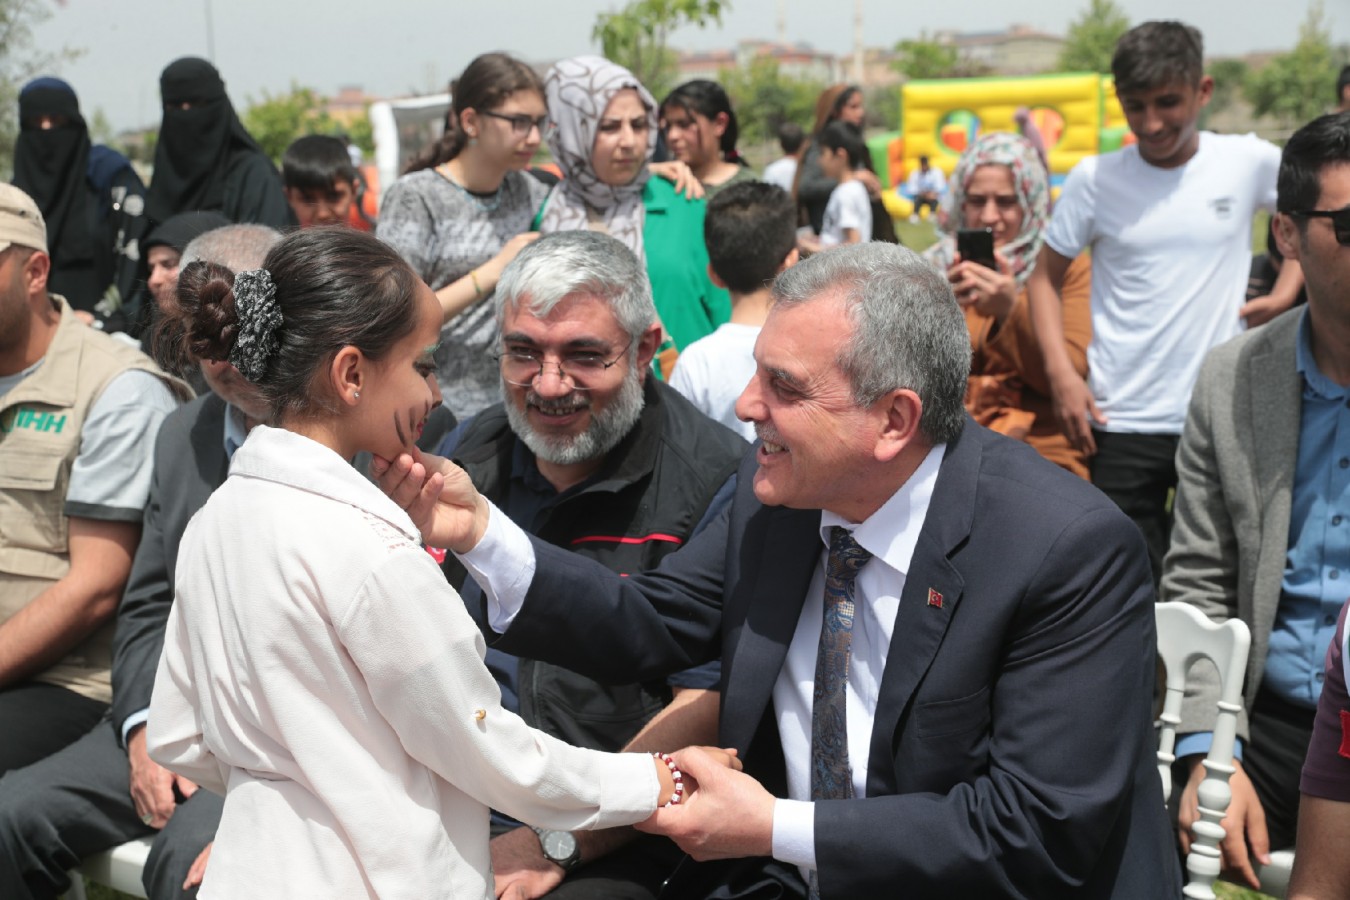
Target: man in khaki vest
x,y
79,411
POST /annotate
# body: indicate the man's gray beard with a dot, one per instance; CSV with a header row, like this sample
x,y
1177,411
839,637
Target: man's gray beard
x,y
603,433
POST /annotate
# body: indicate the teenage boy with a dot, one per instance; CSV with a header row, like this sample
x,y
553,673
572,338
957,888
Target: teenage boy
x,y
1169,223
750,229
320,180
848,214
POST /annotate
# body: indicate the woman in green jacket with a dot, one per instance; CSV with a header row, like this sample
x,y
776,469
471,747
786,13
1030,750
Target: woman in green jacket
x,y
603,124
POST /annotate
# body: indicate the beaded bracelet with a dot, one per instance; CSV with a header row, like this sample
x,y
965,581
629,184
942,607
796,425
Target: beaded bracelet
x,y
678,776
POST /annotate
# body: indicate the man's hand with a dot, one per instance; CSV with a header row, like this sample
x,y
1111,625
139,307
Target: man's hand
x,y
1074,405
152,785
437,495
1243,825
728,814
521,870
197,871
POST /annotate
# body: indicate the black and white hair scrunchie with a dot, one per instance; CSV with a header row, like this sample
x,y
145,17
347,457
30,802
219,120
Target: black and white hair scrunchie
x,y
255,302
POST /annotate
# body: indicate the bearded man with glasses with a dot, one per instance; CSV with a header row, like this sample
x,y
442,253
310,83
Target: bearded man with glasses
x,y
589,451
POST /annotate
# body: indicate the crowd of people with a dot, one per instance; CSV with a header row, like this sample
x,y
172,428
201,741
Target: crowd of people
x,y
425,556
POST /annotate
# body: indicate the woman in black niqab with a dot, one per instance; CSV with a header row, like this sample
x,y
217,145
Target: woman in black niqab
x,y
199,141
51,157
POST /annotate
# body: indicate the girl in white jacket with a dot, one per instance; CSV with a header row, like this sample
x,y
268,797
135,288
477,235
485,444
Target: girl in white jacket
x,y
318,670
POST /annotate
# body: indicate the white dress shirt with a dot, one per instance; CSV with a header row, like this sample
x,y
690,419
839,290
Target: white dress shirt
x,y
890,534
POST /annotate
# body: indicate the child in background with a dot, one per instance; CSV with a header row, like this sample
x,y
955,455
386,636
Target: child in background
x,y
848,214
783,171
750,230
319,179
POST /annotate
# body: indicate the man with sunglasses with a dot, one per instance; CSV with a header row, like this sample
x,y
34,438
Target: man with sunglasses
x,y
589,451
1263,502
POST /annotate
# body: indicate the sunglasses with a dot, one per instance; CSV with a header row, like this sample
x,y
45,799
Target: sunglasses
x,y
1340,221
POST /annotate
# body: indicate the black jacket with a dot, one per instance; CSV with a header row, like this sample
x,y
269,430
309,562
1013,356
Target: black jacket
x,y
642,505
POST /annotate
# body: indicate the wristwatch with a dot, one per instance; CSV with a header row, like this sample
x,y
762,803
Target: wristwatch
x,y
559,847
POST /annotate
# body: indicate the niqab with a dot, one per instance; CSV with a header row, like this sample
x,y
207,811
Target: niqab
x,y
195,144
51,167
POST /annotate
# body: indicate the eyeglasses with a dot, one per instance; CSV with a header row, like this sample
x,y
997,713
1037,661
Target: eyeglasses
x,y
522,367
1003,202
1340,221
521,124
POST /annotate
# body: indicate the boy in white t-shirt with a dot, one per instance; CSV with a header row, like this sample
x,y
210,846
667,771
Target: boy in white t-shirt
x,y
848,214
1169,223
750,230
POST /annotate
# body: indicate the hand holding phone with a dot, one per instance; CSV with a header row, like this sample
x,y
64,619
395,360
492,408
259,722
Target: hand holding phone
x,y
977,245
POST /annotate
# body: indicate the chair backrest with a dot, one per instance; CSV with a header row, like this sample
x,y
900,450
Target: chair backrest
x,y
1186,635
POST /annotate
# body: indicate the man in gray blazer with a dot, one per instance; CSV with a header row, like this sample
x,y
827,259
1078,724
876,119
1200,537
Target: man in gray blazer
x,y
1263,504
103,789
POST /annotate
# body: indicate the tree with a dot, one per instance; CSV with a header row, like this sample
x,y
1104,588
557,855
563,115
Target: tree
x,y
20,60
1230,76
635,37
1092,38
1297,86
764,98
925,58
276,121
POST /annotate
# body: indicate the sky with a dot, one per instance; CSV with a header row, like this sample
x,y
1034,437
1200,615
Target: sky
x,y
397,47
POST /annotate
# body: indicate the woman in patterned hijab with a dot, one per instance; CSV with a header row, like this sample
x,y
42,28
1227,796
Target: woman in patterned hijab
x,y
1000,184
603,129
585,95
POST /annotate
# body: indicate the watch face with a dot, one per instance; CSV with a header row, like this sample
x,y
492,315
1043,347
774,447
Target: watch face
x,y
558,845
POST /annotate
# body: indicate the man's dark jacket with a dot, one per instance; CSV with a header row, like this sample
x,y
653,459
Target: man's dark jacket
x,y
642,505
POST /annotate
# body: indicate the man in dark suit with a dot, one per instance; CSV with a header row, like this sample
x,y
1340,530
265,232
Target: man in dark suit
x,y
938,649
103,789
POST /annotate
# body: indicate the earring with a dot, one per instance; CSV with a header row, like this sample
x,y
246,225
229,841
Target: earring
x,y
356,395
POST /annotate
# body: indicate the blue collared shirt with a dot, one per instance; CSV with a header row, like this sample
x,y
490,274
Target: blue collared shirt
x,y
1317,567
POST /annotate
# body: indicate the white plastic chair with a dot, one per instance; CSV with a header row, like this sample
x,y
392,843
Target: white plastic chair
x,y
1186,635
118,868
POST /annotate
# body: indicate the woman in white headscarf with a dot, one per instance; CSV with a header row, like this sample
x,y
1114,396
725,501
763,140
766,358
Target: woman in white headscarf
x,y
1000,185
603,126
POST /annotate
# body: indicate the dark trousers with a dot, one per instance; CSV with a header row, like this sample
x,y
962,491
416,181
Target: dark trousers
x,y
1273,760
39,719
77,802
1138,472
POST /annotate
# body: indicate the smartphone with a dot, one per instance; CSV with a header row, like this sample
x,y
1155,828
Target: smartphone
x,y
977,245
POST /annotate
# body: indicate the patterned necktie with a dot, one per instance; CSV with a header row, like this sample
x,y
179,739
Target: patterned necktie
x,y
831,775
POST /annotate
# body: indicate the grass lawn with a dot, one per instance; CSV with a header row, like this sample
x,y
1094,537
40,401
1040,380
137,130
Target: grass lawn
x,y
99,892
1227,891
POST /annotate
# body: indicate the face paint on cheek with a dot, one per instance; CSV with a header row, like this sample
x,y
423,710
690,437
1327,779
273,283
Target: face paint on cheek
x,y
398,430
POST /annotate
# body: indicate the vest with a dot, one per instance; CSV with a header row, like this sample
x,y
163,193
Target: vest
x,y
642,505
40,423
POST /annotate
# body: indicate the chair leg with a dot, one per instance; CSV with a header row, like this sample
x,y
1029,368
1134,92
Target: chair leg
x,y
76,889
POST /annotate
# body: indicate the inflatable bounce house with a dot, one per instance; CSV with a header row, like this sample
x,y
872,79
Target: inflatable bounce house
x,y
1077,115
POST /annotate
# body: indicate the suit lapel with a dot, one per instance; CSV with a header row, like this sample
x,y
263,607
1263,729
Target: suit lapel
x,y
1275,394
1275,389
933,587
786,561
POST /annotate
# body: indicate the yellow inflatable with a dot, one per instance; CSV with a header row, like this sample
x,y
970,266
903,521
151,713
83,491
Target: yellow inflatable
x,y
1077,115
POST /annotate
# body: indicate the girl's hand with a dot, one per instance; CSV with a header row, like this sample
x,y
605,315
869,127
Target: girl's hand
x,y
680,175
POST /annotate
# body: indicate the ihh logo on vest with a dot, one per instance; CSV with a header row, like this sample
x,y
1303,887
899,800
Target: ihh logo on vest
x,y
30,419
1223,207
